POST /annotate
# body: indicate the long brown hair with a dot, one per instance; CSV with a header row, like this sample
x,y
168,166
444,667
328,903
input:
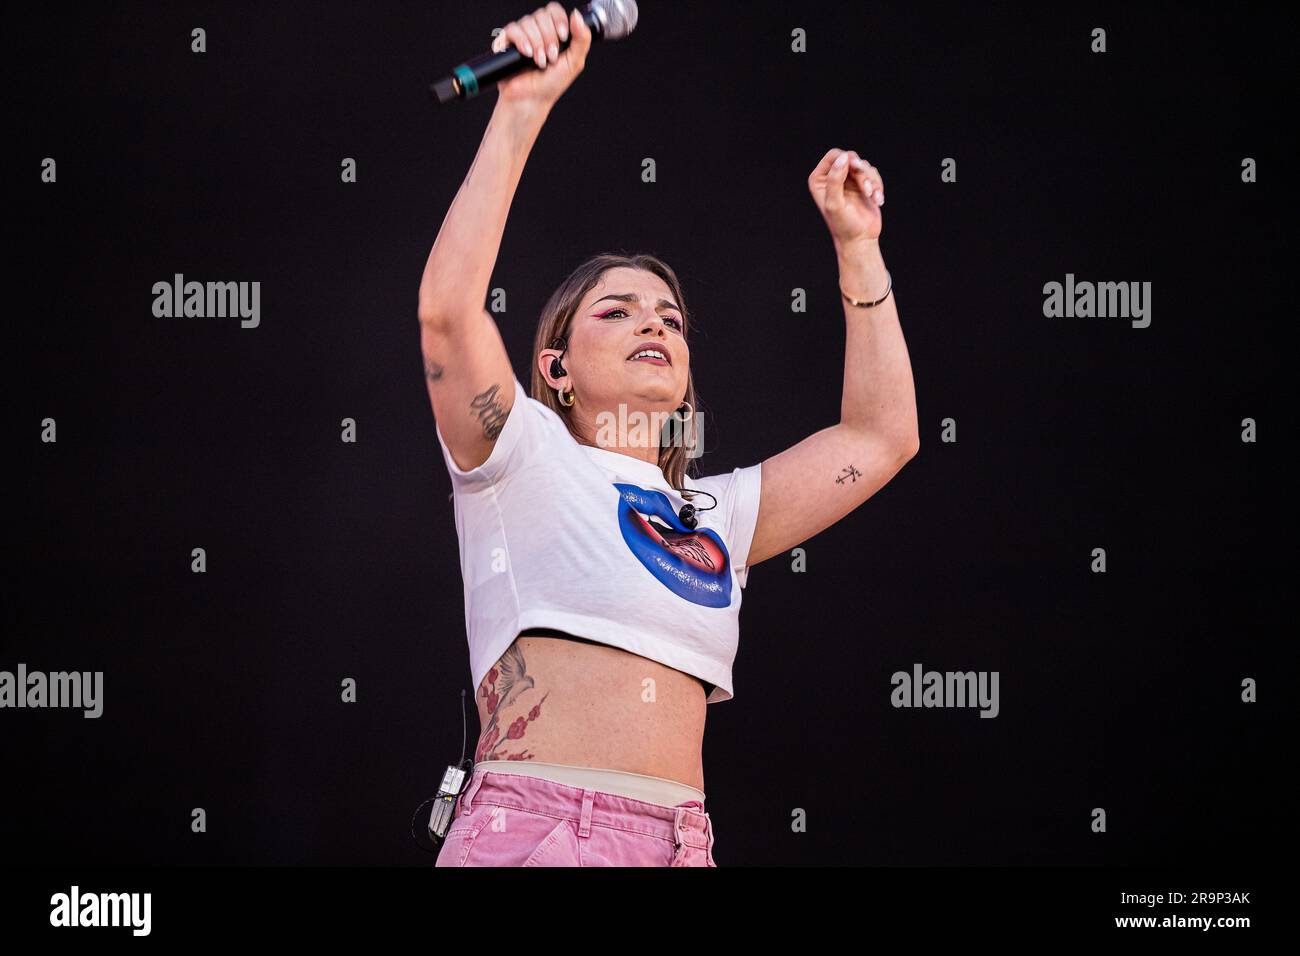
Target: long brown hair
x,y
557,318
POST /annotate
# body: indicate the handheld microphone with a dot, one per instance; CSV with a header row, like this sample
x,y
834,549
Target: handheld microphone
x,y
608,19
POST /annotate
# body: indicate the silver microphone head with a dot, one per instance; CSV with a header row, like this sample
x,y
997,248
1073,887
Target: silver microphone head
x,y
617,17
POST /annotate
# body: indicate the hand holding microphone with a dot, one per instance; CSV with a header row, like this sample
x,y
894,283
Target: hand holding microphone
x,y
535,58
557,47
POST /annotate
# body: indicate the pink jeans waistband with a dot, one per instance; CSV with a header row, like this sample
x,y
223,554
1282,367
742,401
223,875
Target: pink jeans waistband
x,y
686,824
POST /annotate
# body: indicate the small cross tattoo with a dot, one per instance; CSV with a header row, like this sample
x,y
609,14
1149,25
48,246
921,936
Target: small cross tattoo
x,y
850,472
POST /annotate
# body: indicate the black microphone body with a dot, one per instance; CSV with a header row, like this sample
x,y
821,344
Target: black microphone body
x,y
607,19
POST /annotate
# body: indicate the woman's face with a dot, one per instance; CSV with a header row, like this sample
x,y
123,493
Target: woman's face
x,y
626,312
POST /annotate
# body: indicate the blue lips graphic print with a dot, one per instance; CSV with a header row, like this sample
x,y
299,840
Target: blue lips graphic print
x,y
693,565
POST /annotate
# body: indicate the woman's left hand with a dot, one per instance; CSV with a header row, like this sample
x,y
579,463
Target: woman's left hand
x,y
849,196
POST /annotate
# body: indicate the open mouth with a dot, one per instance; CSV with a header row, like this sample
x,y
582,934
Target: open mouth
x,y
690,546
693,564
652,355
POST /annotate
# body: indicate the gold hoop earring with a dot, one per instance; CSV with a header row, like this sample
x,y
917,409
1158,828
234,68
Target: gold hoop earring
x,y
573,397
689,422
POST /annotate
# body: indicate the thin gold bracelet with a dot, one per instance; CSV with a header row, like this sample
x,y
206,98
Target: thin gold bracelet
x,y
867,305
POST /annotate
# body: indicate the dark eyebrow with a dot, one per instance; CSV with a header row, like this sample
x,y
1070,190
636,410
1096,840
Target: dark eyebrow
x,y
629,297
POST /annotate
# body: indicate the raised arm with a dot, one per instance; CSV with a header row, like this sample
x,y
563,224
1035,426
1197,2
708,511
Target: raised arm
x,y
813,484
466,368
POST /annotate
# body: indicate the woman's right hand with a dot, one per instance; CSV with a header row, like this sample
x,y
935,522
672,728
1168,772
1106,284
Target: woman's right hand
x,y
540,35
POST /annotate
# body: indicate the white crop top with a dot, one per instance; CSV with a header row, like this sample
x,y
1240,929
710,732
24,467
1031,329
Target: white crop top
x,y
557,534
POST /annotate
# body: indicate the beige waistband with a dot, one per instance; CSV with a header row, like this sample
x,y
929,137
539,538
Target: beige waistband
x,y
638,786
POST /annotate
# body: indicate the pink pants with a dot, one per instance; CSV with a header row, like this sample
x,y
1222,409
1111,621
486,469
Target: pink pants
x,y
505,819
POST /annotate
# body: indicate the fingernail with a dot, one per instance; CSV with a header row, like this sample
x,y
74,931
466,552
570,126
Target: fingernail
x,y
564,31
880,198
843,158
554,53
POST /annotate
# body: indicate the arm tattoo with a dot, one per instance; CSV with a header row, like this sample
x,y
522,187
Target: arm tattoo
x,y
488,408
849,472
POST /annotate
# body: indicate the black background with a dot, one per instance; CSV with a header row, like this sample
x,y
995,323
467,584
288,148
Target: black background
x,y
329,560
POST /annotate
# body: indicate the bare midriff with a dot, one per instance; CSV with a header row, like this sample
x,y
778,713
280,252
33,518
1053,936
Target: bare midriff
x,y
559,699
